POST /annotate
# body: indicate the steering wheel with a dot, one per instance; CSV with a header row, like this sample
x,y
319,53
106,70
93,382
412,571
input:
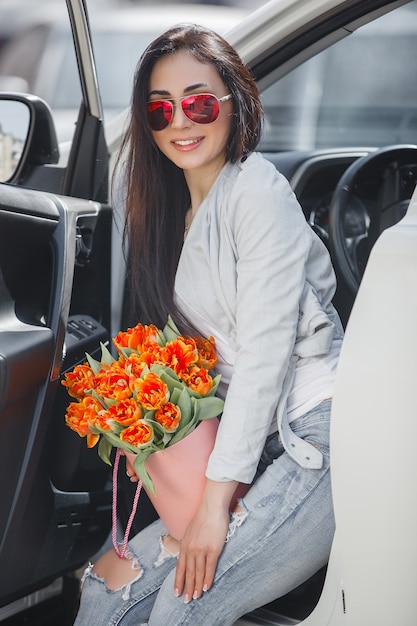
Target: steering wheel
x,y
373,194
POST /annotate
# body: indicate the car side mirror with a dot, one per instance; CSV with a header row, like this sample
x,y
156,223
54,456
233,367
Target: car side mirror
x,y
27,135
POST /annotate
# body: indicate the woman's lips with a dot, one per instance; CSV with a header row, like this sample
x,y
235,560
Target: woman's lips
x,y
184,145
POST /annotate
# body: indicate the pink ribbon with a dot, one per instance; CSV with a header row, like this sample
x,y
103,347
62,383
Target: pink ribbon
x,y
121,548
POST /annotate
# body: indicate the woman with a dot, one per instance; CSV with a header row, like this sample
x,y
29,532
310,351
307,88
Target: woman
x,y
217,239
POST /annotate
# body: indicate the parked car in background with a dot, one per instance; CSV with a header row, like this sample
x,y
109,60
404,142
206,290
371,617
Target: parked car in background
x,y
15,16
338,80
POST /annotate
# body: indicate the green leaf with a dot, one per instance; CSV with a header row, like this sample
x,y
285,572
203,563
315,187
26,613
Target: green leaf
x,y
206,408
158,429
105,402
106,357
183,432
115,426
149,415
216,382
142,472
185,406
170,331
164,370
194,394
145,371
95,365
104,450
114,440
125,351
161,434
175,395
169,377
123,445
160,338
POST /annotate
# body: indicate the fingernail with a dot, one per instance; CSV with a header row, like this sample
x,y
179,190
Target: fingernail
x,y
186,598
176,593
195,595
205,588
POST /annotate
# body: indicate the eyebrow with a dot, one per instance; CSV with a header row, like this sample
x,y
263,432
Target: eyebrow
x,y
191,88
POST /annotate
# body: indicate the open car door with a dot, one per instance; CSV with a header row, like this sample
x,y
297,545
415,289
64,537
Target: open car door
x,y
55,246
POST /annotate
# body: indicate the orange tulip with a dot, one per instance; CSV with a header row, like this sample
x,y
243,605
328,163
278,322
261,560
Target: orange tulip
x,y
152,392
168,416
113,383
180,355
79,380
137,434
136,362
199,380
100,420
125,412
206,349
79,414
136,337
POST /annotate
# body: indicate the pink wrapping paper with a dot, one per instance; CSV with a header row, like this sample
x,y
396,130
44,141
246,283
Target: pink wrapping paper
x,y
178,474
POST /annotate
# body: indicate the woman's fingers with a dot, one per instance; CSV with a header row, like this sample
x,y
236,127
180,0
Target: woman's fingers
x,y
190,577
130,470
194,582
211,564
195,571
180,573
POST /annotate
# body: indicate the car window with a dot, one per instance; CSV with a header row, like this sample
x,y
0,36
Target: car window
x,y
361,91
114,71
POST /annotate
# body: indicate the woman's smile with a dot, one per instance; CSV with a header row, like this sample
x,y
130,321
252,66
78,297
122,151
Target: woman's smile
x,y
184,145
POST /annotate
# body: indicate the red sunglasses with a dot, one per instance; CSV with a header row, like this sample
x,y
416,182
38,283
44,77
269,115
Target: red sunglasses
x,y
202,108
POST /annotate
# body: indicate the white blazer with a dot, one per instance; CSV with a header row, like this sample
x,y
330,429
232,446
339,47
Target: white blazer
x,y
254,274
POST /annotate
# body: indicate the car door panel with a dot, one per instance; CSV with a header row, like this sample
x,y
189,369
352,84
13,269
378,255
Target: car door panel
x,y
54,306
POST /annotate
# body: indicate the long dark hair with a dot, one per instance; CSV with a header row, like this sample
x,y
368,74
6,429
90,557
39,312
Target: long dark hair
x,y
157,195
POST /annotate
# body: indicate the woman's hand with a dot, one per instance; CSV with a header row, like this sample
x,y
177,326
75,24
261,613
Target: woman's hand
x,y
203,541
130,469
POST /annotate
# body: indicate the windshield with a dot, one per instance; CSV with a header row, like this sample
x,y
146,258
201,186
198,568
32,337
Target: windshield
x,y
360,92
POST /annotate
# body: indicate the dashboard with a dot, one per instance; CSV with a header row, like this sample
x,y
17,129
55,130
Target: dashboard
x,y
349,196
314,177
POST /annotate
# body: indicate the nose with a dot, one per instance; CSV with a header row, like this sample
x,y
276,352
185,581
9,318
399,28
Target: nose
x,y
179,119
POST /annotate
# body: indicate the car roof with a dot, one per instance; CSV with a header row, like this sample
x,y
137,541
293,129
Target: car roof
x,y
282,34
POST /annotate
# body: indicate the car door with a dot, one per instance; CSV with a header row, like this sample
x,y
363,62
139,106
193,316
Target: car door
x,y
55,248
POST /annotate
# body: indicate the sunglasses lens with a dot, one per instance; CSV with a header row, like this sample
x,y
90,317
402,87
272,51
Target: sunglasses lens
x,y
202,108
159,114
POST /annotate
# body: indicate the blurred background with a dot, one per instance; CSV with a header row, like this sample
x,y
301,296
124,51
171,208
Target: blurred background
x,y
36,52
16,13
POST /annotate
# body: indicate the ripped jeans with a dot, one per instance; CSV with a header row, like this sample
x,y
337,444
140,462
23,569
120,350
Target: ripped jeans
x,y
282,538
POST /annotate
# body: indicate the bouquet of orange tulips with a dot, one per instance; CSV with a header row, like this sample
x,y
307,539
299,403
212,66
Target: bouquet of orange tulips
x,y
153,395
